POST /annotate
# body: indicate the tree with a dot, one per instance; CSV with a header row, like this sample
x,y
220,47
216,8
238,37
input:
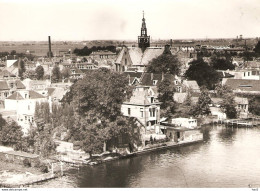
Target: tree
x,y
29,74
228,106
96,102
254,105
13,52
101,91
257,48
220,63
65,73
165,95
21,69
202,107
165,63
56,74
221,90
204,74
11,134
39,72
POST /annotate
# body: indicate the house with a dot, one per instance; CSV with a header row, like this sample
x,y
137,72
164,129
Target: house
x,y
7,87
102,55
24,103
246,74
176,133
143,106
241,86
135,57
185,122
241,107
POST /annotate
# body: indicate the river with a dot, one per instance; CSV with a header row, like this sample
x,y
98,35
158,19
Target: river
x,y
228,157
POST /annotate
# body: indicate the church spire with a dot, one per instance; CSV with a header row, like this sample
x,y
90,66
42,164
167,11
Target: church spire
x,y
143,40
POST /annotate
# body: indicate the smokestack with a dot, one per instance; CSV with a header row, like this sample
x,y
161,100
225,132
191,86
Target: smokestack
x,y
171,42
49,46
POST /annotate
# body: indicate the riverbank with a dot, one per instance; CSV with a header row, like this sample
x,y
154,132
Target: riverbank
x,y
13,174
147,149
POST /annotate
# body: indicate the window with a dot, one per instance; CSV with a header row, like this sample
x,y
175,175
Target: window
x,y
25,95
11,85
176,82
129,111
155,82
125,61
142,112
25,118
6,94
152,112
28,107
152,99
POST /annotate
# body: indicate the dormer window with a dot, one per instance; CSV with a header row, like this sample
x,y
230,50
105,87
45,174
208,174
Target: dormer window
x,y
155,82
176,82
152,99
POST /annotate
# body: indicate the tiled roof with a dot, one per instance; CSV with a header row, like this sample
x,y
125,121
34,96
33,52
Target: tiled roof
x,y
35,95
138,57
120,55
4,85
192,84
19,84
134,74
59,93
15,96
6,73
148,78
139,98
50,91
243,85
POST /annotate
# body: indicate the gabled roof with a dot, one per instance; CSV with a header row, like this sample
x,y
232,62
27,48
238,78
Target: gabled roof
x,y
191,84
134,74
148,78
5,73
4,85
19,84
243,85
50,91
15,96
34,95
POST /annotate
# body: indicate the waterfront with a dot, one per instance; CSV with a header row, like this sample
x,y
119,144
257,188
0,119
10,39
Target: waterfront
x,y
227,158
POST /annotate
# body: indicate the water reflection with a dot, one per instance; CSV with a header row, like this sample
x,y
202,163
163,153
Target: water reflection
x,y
226,158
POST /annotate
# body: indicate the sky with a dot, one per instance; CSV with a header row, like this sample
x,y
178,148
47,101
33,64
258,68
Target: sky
x,y
79,20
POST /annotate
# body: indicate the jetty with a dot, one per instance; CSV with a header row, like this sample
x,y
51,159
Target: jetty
x,y
249,122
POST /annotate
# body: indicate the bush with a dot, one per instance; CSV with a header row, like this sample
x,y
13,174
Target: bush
x,y
44,168
26,163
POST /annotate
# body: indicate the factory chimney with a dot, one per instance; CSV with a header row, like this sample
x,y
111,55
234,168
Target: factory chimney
x,y
49,53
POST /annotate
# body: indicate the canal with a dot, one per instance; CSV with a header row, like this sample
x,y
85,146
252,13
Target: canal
x,y
228,157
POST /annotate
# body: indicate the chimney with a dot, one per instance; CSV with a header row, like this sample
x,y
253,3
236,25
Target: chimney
x,y
49,46
167,49
171,42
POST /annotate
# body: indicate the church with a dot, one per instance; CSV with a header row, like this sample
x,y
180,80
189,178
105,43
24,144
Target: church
x,y
137,58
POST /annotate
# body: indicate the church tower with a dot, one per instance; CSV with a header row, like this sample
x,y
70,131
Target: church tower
x,y
143,40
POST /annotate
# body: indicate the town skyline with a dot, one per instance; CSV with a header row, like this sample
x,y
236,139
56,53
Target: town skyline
x,y
113,20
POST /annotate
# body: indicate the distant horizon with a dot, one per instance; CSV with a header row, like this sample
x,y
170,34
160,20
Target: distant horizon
x,y
86,20
196,39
